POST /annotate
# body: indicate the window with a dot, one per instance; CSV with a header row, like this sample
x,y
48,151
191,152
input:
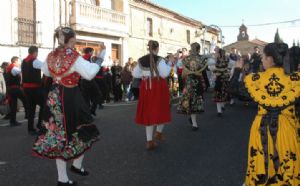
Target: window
x,y
188,36
26,22
149,27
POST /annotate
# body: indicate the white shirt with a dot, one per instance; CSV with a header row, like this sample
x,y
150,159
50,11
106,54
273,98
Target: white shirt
x,y
37,64
15,71
163,70
86,69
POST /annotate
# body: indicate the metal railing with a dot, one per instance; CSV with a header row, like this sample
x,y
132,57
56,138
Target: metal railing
x,y
27,33
95,12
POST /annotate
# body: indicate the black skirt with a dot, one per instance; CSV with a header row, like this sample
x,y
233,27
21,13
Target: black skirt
x,y
67,122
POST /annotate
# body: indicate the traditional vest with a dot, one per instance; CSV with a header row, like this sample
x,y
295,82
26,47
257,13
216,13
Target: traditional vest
x,y
31,77
60,61
13,81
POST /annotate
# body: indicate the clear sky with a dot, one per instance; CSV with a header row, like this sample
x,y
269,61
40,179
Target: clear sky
x,y
233,12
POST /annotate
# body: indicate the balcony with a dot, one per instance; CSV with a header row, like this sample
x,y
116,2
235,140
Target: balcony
x,y
94,19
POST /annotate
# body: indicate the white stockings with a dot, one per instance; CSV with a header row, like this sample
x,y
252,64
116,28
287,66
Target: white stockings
x,y
150,130
194,121
62,171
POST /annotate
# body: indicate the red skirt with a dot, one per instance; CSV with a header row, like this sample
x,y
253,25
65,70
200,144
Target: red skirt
x,y
154,103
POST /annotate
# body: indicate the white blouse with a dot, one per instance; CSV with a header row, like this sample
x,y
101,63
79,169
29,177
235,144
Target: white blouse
x,y
163,70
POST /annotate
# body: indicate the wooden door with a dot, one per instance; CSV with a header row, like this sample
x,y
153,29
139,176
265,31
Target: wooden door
x,y
115,52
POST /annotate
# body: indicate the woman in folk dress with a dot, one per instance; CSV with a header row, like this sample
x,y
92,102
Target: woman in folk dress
x,y
67,120
154,100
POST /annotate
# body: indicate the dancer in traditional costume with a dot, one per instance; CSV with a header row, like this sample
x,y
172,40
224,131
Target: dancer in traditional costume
x,y
32,86
69,132
222,74
14,90
191,102
154,103
274,152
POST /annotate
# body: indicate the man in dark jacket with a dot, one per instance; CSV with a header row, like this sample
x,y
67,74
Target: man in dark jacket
x,y
256,60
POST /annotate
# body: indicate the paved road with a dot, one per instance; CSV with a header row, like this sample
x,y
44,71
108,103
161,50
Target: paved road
x,y
215,155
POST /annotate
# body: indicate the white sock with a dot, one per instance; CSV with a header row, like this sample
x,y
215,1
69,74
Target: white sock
x,y
77,163
160,128
231,101
194,121
219,107
149,133
62,171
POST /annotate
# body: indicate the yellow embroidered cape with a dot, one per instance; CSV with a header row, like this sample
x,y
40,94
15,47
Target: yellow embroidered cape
x,y
273,88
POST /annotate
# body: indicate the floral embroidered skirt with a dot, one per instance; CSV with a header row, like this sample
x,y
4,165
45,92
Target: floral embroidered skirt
x,y
65,112
221,90
154,103
192,97
274,170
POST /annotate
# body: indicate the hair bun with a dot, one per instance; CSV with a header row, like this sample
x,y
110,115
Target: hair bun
x,y
278,51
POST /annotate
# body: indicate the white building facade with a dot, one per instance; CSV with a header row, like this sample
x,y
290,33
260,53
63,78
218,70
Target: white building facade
x,y
22,27
173,31
124,26
32,22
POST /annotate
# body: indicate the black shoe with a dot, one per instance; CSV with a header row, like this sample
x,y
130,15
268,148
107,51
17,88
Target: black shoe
x,y
220,114
101,106
80,172
74,183
195,128
15,124
190,120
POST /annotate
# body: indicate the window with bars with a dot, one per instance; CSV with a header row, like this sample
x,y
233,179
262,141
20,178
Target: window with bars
x,y
26,21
